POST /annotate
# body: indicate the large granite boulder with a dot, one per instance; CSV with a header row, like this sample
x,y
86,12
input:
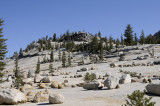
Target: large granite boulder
x,y
54,84
56,98
93,85
40,97
37,78
153,89
46,79
111,82
12,96
125,79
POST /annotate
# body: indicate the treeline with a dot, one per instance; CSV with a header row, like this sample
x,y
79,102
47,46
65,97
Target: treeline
x,y
97,43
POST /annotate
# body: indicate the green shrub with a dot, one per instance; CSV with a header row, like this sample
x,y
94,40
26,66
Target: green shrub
x,y
137,99
89,77
132,74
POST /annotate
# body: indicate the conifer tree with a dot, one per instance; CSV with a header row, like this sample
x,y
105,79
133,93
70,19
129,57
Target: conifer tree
x,y
106,42
94,44
101,49
135,38
52,56
122,40
82,61
38,67
16,70
128,35
110,43
117,43
51,70
63,59
69,59
59,55
3,49
142,38
54,37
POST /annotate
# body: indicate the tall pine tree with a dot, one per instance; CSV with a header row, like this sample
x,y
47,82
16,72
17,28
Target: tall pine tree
x,y
3,49
142,38
128,35
64,59
38,67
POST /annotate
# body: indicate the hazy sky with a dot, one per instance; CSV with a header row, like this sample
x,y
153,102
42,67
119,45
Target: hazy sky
x,y
28,20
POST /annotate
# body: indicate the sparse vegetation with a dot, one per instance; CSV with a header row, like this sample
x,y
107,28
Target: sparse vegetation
x,y
38,67
132,74
89,77
137,98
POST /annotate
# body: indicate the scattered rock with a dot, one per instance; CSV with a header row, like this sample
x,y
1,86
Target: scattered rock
x,y
145,80
30,93
56,98
112,65
60,86
66,81
153,89
73,85
111,82
93,85
37,78
46,79
118,86
150,80
41,86
107,74
54,84
125,79
12,96
39,97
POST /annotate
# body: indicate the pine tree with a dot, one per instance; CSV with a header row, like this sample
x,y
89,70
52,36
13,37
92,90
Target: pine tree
x,y
38,67
54,37
16,70
51,70
101,49
117,43
128,35
110,43
69,59
135,38
59,55
64,59
142,38
3,49
94,44
106,42
122,40
82,61
52,56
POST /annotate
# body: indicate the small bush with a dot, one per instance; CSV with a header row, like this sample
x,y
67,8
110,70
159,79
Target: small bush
x,y
137,99
89,77
132,74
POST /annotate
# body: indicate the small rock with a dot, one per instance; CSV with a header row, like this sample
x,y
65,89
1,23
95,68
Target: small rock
x,y
73,85
56,98
66,81
118,86
46,79
41,86
145,80
37,78
60,86
54,84
30,93
40,97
